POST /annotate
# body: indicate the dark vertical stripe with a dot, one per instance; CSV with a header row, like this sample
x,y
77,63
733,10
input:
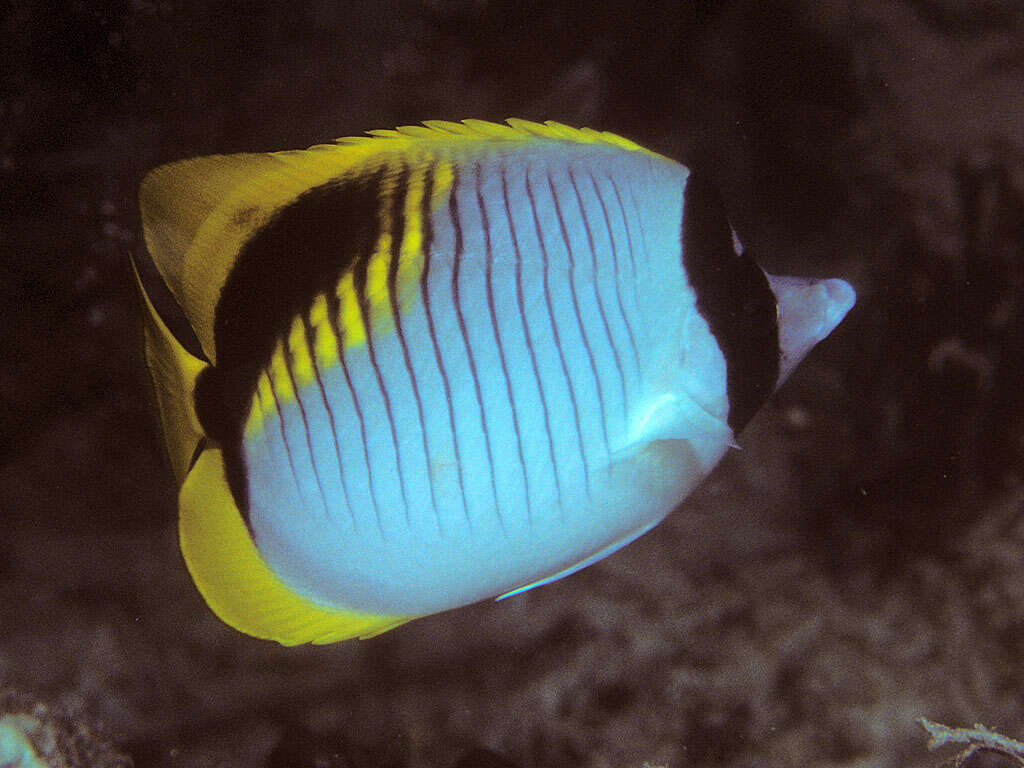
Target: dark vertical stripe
x,y
625,222
526,333
398,218
287,356
556,335
259,398
284,435
734,297
634,283
262,405
489,277
456,267
576,309
597,292
618,282
640,224
365,312
426,215
310,335
333,310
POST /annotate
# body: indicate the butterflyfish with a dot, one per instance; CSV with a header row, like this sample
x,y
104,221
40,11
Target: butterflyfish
x,y
446,362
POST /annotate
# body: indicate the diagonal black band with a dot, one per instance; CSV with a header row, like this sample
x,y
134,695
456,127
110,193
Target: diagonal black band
x,y
301,252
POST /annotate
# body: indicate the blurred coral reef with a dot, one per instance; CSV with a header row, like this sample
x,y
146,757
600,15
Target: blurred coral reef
x,y
859,564
36,735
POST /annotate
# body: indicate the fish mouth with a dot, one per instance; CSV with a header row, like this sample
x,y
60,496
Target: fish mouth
x,y
808,310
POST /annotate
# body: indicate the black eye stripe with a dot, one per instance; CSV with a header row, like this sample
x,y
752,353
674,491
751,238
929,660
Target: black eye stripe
x,y
734,297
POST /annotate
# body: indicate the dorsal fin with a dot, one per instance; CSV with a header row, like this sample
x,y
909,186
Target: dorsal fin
x,y
514,129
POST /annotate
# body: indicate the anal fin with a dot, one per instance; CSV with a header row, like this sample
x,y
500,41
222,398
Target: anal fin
x,y
601,554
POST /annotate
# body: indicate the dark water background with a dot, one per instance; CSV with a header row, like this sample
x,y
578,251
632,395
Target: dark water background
x,y
859,564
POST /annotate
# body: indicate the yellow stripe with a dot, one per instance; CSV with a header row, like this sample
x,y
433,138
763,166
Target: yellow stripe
x,y
443,178
377,269
254,423
279,377
325,343
349,317
302,363
410,267
377,297
263,405
266,397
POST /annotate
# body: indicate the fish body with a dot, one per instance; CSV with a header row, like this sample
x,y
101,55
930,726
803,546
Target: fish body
x,y
447,362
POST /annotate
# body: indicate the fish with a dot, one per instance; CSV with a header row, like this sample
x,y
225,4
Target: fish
x,y
445,362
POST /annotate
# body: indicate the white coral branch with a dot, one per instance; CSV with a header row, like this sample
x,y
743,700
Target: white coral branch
x,y
978,738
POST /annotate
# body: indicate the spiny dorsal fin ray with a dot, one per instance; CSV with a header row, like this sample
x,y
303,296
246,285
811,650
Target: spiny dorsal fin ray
x,y
514,129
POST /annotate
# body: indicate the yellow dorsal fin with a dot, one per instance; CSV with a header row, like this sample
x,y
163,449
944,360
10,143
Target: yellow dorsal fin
x,y
237,583
514,129
173,372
